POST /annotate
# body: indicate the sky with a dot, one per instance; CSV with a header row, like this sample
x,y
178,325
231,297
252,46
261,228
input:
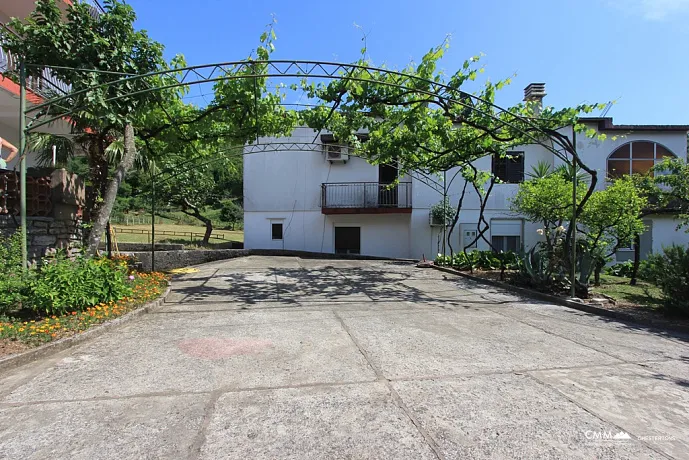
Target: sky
x,y
633,52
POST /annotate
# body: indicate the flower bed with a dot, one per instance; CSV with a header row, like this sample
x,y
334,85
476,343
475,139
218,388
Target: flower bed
x,y
24,329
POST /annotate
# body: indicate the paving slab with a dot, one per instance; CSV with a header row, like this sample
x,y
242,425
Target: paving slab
x,y
429,344
509,416
142,428
317,288
282,357
644,404
334,422
611,337
202,358
248,287
252,262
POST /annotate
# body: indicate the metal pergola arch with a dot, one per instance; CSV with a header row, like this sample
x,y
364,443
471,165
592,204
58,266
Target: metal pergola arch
x,y
51,110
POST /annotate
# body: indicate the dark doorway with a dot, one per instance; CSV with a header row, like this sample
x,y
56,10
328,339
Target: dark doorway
x,y
347,240
387,196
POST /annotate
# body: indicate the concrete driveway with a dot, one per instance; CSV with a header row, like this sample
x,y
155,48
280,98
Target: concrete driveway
x,y
271,358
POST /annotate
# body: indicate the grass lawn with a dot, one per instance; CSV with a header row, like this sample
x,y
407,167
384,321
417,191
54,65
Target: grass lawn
x,y
180,229
643,294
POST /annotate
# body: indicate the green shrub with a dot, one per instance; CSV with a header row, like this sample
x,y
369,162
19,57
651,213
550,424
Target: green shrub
x,y
13,279
623,269
480,260
62,285
670,272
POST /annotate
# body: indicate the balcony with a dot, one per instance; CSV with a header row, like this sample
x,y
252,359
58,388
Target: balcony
x,y
45,86
365,198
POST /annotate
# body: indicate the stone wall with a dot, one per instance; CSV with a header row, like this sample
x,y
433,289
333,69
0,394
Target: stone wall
x,y
44,232
169,260
62,227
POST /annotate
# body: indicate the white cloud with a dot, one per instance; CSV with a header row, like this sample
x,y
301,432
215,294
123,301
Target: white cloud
x,y
653,10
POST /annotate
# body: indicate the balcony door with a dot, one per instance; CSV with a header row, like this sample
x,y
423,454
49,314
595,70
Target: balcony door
x,y
387,197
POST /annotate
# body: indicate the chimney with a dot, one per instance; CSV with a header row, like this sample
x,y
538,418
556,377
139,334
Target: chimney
x,y
535,92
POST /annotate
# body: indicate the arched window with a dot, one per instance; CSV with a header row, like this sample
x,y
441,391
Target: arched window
x,y
636,157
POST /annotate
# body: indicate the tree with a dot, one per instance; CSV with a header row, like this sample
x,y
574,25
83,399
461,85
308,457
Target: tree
x,y
87,52
612,219
196,152
191,187
231,212
548,201
423,121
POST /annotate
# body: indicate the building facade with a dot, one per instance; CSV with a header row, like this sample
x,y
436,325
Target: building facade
x,y
326,201
37,88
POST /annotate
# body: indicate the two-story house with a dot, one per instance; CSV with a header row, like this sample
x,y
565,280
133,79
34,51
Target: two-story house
x,y
331,202
38,89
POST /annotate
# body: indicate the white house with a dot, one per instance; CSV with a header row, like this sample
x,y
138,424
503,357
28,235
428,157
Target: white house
x,y
324,201
38,89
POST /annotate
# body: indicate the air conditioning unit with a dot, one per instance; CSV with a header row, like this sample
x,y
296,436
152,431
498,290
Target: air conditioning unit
x,y
336,153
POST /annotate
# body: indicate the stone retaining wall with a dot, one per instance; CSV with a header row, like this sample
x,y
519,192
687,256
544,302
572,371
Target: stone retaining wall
x,y
169,260
61,227
44,232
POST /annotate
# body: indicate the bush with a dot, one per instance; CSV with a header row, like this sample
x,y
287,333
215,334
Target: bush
x,y
13,279
63,285
623,269
670,272
481,260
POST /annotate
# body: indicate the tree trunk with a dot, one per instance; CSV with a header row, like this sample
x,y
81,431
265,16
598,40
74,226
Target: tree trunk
x,y
596,274
102,214
108,239
206,221
637,259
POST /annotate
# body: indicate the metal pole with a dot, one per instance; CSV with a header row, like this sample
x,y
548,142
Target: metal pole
x,y
153,222
22,163
574,216
444,212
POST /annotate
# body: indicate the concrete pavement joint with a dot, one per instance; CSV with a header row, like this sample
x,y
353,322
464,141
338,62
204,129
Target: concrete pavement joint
x,y
432,444
564,338
224,390
155,394
200,438
593,413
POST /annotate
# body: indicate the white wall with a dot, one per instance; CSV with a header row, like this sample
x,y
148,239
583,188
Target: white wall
x,y
287,185
663,233
385,235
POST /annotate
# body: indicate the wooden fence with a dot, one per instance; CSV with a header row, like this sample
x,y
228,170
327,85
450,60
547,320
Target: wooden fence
x,y
191,235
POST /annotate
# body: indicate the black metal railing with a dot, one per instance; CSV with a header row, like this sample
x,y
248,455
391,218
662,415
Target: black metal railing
x,y
365,195
47,85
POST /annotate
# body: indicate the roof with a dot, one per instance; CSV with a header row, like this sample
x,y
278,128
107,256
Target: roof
x,y
606,124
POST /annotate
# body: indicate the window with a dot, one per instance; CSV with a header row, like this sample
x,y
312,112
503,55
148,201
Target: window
x,y
636,157
276,230
510,168
506,234
506,243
